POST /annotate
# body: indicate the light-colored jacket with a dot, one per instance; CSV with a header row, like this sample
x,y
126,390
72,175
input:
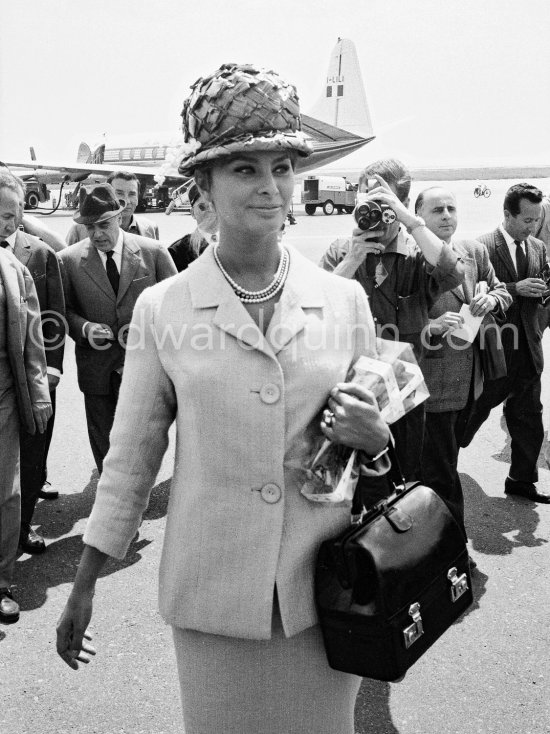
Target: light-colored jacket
x,y
24,338
247,414
89,296
449,366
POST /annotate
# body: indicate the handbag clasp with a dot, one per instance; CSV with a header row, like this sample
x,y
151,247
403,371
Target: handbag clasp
x,y
416,629
459,584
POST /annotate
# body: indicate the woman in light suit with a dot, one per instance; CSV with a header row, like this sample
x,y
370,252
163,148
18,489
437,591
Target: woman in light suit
x,y
244,350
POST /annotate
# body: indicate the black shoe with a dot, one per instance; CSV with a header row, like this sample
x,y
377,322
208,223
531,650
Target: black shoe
x,y
9,608
31,542
48,494
527,490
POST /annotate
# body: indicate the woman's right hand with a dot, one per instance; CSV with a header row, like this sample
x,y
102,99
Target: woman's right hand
x,y
72,639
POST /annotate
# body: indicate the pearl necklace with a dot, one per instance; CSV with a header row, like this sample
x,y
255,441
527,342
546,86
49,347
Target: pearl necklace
x,y
266,293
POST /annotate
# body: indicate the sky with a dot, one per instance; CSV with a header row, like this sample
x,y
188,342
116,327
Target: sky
x,y
448,82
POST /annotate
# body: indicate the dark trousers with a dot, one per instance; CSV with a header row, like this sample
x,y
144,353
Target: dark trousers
x,y
100,413
440,460
33,454
522,411
49,434
408,433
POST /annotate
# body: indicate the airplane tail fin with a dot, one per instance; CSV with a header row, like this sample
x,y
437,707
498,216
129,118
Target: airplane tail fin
x,y
85,154
344,101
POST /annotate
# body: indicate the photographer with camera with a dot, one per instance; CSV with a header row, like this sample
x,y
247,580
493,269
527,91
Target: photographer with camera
x,y
403,267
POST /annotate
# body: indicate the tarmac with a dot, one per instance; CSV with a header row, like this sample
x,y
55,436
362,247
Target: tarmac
x,y
488,673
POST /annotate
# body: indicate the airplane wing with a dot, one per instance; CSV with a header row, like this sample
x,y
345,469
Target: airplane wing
x,y
57,172
330,143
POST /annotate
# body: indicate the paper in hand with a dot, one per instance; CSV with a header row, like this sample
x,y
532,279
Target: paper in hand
x,y
470,327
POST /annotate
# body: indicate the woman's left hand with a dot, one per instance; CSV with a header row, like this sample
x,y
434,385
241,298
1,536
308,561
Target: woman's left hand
x,y
353,419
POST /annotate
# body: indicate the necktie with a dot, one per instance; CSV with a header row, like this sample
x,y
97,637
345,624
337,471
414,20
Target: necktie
x,y
521,261
112,271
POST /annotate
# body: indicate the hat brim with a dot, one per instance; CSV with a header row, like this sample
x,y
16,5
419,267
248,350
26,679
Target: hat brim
x,y
97,219
278,142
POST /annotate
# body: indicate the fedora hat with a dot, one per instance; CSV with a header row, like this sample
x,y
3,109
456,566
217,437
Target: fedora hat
x,y
97,205
236,109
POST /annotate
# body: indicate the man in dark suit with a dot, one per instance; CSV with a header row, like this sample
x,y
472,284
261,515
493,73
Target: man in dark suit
x,y
43,266
518,258
103,276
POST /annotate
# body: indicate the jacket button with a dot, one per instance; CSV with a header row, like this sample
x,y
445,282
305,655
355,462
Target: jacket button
x,y
271,493
270,393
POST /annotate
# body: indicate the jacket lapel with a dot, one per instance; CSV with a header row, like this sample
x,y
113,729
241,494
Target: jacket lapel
x,y
12,290
131,261
93,267
502,251
22,249
532,263
209,289
298,294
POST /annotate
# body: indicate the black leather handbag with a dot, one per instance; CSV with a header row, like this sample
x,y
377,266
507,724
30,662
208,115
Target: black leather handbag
x,y
390,585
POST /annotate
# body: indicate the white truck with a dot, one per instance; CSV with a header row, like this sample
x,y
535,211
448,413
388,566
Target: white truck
x,y
331,193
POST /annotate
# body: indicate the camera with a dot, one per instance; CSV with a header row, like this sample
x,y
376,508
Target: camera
x,y
372,214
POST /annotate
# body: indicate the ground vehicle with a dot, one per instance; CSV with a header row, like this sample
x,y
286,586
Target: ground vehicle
x,y
35,193
482,190
329,192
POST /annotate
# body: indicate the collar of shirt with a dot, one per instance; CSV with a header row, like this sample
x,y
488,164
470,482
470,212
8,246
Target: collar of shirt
x,y
133,226
400,244
511,244
11,241
117,253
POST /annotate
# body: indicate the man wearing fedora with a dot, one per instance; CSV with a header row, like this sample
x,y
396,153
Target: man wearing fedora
x,y
103,276
126,186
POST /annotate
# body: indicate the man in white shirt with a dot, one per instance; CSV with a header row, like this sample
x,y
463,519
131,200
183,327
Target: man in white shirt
x,y
103,276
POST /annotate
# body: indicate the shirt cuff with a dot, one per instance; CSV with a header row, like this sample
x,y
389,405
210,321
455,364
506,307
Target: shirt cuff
x,y
54,371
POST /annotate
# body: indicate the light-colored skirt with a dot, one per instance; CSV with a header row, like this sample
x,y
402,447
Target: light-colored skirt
x,y
278,686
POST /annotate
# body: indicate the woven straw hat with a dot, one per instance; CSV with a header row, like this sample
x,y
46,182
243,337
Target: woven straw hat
x,y
240,108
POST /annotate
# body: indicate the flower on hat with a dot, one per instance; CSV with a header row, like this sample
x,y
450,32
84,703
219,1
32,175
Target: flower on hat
x,y
173,158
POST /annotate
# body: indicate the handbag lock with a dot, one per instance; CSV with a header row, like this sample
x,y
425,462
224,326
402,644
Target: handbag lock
x,y
416,629
459,584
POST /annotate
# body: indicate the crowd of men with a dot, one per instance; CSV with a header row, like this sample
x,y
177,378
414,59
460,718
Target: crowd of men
x,y
417,275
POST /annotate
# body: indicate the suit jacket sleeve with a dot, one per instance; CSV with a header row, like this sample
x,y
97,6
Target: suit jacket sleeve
x,y
54,325
165,267
35,358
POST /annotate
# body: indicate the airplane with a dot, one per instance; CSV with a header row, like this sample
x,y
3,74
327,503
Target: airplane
x,y
341,126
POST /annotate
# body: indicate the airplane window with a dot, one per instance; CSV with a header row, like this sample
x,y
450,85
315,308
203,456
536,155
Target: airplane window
x,y
329,91
340,90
